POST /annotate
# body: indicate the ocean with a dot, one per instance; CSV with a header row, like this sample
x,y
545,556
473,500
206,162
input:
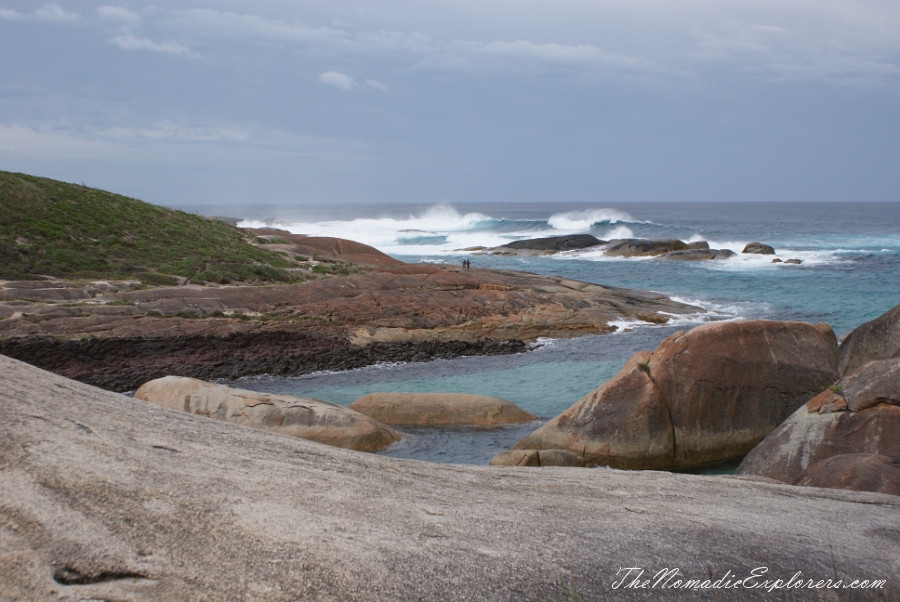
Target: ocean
x,y
850,273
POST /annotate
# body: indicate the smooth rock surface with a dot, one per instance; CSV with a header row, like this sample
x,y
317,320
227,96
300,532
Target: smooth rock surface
x,y
302,417
860,414
107,497
877,339
705,396
439,409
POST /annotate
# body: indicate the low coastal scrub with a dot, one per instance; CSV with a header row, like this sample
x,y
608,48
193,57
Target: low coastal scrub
x,y
51,228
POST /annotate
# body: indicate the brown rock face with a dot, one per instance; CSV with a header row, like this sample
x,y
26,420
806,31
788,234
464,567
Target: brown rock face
x,y
859,415
857,472
875,340
329,247
439,409
702,397
310,419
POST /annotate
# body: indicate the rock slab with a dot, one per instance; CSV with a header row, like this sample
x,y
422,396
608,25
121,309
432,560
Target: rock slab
x,y
440,409
705,396
107,497
302,417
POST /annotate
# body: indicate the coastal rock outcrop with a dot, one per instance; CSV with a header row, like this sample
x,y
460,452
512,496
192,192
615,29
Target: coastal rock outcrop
x,y
642,247
549,244
106,497
877,339
302,417
440,409
325,247
857,417
758,248
123,338
705,396
695,255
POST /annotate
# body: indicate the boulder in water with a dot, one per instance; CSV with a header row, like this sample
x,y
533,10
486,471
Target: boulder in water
x,y
642,247
310,419
705,396
439,409
758,248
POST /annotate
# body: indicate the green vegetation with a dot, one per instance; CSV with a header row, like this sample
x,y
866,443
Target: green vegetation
x,y
50,228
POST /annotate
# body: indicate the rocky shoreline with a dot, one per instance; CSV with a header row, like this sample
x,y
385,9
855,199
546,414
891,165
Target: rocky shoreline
x,y
116,336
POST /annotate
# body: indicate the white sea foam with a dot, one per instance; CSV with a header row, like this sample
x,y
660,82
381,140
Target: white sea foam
x,y
443,230
581,221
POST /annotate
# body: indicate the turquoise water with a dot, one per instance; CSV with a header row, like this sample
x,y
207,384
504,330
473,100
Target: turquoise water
x,y
850,274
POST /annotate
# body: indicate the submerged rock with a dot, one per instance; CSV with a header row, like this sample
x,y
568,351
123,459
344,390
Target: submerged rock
x,y
858,416
302,417
440,409
695,255
706,396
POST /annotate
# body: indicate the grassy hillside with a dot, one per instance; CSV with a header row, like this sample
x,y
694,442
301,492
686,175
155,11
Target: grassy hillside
x,y
50,228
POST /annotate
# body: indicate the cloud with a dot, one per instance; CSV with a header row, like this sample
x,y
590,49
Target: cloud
x,y
48,142
119,13
338,80
172,131
233,25
781,55
376,85
51,13
129,41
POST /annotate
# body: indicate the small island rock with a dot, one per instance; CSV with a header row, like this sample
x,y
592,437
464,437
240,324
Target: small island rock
x,y
758,248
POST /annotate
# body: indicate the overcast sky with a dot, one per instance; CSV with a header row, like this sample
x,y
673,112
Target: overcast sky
x,y
599,101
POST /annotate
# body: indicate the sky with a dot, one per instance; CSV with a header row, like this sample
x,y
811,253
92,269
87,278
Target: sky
x,y
197,103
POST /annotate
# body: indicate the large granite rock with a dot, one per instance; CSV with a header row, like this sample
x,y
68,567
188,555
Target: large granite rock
x,y
106,497
857,417
877,339
642,247
550,244
325,247
302,417
858,472
705,396
440,409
